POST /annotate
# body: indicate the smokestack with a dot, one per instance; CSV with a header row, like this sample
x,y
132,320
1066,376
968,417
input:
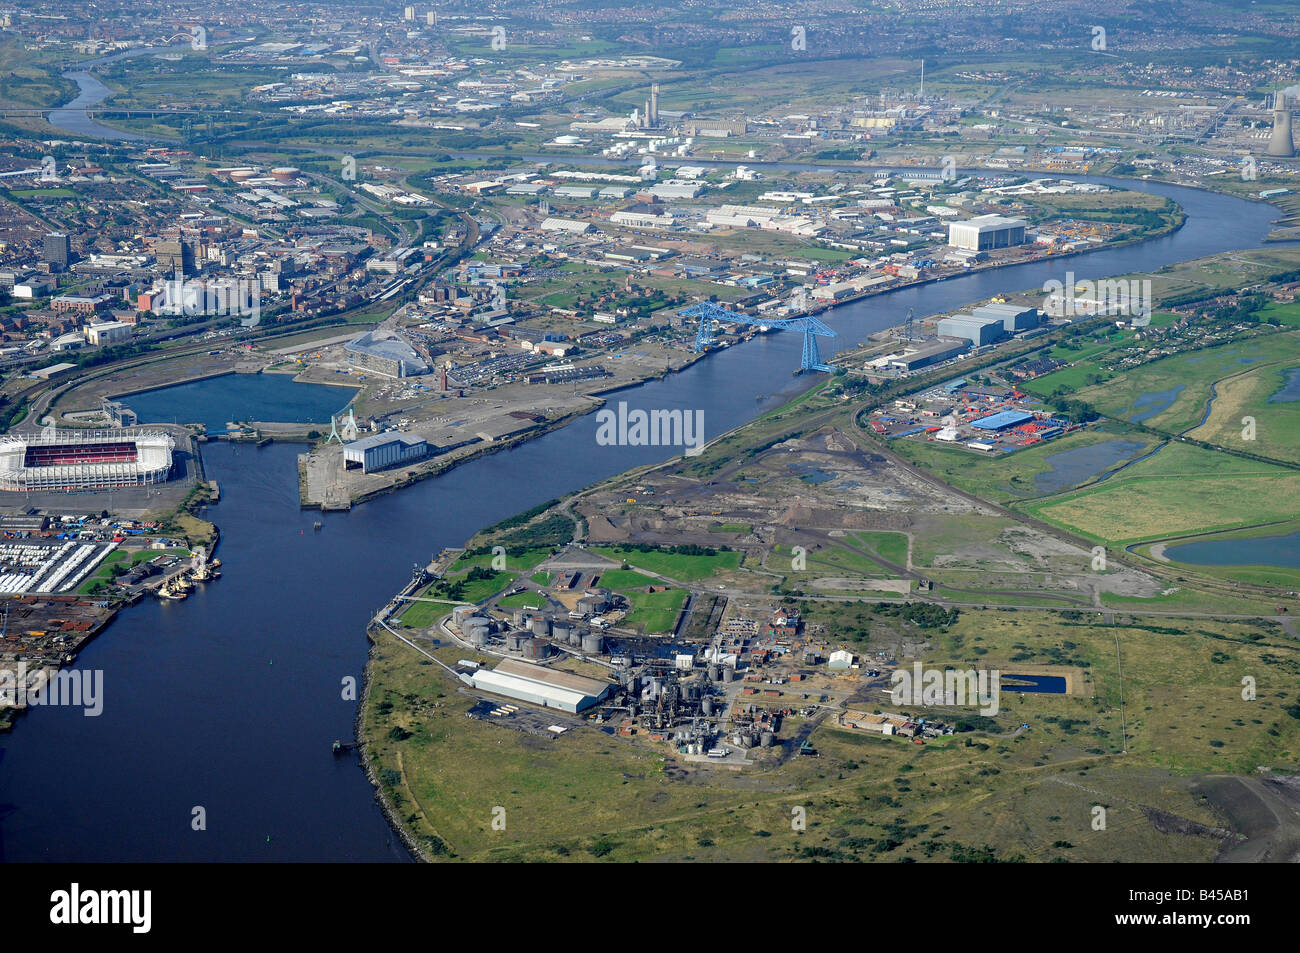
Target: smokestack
x,y
654,104
646,115
1281,144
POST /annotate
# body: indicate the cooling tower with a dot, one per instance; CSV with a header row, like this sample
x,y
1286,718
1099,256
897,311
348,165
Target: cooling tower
x,y
1281,143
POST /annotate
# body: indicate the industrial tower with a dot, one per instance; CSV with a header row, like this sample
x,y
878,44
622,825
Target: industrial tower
x,y
1281,144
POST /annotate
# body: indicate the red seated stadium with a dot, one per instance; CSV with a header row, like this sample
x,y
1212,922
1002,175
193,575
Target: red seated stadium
x,y
65,454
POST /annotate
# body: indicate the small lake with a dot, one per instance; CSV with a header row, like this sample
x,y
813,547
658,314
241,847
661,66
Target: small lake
x,y
216,401
1046,684
1260,551
1072,467
1290,389
1148,405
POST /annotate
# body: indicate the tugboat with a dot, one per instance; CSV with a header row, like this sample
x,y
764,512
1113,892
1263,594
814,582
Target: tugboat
x,y
174,588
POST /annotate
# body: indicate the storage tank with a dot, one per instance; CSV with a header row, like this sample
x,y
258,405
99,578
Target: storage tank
x,y
766,739
478,637
560,631
541,626
461,613
576,636
520,618
474,621
707,705
728,673
715,672
592,643
515,641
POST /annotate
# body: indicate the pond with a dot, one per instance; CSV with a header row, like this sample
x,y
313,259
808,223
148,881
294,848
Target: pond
x,y
1148,405
1259,551
1072,467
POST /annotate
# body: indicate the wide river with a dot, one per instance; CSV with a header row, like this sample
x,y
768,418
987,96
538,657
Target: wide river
x,y
230,700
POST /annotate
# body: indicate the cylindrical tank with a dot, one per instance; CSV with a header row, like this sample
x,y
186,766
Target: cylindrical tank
x,y
514,641
715,672
560,631
461,613
519,618
766,739
478,637
541,626
575,636
728,673
593,643
472,621
707,705
633,684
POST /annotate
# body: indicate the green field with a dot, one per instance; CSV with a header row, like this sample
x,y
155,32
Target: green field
x,y
683,568
1182,489
617,580
980,795
889,546
654,612
1190,376
1276,429
521,563
522,600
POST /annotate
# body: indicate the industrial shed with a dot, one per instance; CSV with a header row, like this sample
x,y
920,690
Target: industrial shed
x,y
383,450
539,685
1003,420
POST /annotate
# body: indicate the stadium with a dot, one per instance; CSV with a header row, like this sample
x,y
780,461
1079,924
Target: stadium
x,y
72,460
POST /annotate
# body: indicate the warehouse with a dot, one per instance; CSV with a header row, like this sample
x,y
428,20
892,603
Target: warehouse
x,y
932,352
1014,318
987,231
979,331
380,451
1004,420
539,685
567,225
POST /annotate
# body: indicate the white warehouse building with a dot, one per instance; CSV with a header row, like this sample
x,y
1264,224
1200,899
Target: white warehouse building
x,y
379,451
987,231
539,685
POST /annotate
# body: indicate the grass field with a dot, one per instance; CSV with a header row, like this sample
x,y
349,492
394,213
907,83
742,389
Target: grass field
x,y
617,580
672,565
977,796
522,600
890,546
654,612
1182,489
521,563
1276,430
1190,375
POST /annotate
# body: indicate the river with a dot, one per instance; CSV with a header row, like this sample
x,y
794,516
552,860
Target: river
x,y
230,700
